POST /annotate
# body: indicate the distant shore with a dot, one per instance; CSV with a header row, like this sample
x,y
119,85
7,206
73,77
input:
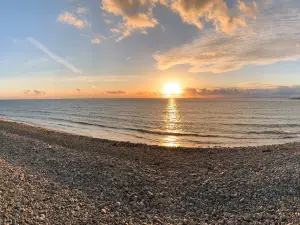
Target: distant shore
x,y
50,177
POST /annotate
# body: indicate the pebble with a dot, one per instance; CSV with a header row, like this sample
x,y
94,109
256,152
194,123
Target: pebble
x,y
136,184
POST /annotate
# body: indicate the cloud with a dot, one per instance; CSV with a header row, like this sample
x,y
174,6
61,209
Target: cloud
x,y
105,78
119,92
249,10
194,11
216,92
36,62
257,86
108,21
262,42
81,10
53,56
37,92
269,91
149,94
27,92
115,30
69,18
34,92
96,41
136,15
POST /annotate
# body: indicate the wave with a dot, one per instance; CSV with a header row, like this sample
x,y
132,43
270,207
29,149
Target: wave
x,y
274,132
287,135
172,133
263,125
284,134
139,129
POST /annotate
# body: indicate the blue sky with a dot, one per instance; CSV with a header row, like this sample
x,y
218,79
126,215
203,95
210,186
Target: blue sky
x,y
91,48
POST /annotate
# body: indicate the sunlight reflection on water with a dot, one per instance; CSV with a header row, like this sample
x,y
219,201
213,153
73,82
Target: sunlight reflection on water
x,y
172,119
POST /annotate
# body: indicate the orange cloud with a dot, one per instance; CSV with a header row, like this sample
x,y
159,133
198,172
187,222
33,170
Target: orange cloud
x,y
133,14
69,18
137,14
249,10
194,12
261,43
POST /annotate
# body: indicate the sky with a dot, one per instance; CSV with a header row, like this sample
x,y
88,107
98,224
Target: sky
x,y
132,48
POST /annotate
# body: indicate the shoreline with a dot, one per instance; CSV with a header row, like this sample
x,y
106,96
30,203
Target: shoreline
x,y
128,143
52,177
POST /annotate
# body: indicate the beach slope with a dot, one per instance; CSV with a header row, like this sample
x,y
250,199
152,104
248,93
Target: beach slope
x,y
49,177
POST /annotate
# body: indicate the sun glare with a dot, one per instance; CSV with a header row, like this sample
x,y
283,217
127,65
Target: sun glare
x,y
171,89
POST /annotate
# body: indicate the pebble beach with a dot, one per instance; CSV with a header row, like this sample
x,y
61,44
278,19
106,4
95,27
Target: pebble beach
x,y
50,177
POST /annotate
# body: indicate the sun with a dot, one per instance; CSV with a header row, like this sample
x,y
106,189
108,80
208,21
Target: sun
x,y
171,89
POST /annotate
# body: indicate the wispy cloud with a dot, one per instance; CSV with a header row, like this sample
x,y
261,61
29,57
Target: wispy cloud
x,y
107,78
149,94
97,40
69,18
254,85
53,56
36,62
81,10
108,21
119,92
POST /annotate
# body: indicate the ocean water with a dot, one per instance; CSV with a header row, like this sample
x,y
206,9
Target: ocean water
x,y
166,122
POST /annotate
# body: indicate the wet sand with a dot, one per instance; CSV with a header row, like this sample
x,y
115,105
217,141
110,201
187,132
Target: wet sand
x,y
49,177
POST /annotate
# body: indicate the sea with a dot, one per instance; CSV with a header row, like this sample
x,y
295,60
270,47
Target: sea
x,y
166,122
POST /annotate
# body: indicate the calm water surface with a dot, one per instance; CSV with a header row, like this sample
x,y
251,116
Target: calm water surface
x,y
168,122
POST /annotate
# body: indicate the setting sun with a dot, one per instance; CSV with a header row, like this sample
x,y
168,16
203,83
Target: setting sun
x,y
172,88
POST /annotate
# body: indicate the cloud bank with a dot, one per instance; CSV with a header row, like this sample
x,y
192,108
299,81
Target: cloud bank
x,y
257,91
